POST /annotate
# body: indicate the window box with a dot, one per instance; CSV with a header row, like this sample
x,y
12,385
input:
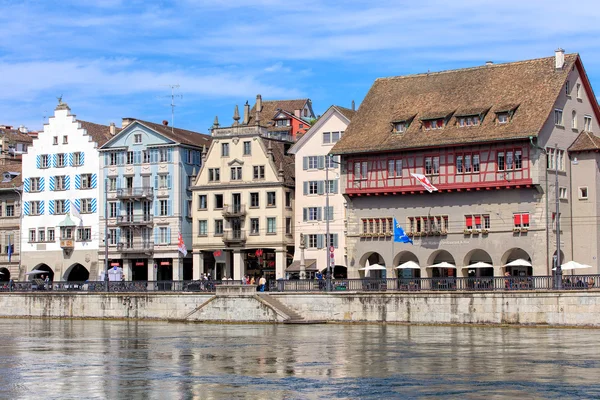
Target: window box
x,y
409,234
388,234
381,234
477,231
467,231
516,230
524,229
485,231
438,233
444,233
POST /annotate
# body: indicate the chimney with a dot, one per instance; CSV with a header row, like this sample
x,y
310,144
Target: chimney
x,y
165,122
246,113
353,106
22,129
112,129
258,103
236,116
297,113
126,121
559,58
489,63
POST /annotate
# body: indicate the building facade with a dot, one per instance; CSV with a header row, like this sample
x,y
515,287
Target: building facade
x,y
10,221
492,140
313,170
243,204
147,171
13,143
60,198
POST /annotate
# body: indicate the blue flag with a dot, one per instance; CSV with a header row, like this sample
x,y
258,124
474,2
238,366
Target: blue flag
x,y
399,234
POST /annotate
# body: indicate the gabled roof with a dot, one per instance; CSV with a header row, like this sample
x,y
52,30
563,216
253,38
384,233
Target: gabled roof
x,y
99,133
270,107
177,135
281,159
16,135
344,113
533,85
586,141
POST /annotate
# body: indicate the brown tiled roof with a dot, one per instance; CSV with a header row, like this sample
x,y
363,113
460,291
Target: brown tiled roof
x,y
179,135
269,109
348,113
13,167
16,135
99,133
282,159
586,141
533,85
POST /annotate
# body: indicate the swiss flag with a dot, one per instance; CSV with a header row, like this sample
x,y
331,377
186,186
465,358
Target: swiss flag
x,y
422,179
181,245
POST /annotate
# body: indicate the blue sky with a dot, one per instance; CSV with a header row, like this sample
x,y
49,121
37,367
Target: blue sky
x,y
116,58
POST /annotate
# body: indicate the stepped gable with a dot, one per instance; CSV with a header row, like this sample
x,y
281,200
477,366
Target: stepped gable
x,y
530,88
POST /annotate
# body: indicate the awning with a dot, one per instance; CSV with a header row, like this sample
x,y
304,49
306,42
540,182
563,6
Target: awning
x,y
519,263
443,264
309,265
374,267
409,265
572,265
37,272
478,265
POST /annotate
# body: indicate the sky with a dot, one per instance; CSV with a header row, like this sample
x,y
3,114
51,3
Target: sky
x,y
110,59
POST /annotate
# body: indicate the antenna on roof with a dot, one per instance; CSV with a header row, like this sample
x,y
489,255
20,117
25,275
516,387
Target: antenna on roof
x,y
173,96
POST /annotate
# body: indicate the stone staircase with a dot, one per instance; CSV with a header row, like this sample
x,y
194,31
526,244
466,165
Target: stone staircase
x,y
291,316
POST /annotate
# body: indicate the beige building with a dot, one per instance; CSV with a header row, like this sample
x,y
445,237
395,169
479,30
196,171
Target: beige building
x,y
492,140
313,170
10,221
13,144
243,204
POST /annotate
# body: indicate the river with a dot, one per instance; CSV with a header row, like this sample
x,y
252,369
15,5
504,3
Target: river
x,y
74,359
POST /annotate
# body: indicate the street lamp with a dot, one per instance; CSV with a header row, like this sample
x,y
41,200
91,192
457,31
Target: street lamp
x,y
328,161
19,190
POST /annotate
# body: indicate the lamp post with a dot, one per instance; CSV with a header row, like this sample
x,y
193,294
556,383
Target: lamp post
x,y
328,161
19,190
106,237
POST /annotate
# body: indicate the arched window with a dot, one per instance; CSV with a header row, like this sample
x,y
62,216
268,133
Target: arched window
x,y
574,121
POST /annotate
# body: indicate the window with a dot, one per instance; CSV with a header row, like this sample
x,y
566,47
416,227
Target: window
x,y
44,161
469,222
112,210
587,123
328,213
214,174
312,213
521,220
59,206
112,237
486,221
501,164
84,234
312,242
164,155
254,200
10,210
395,168
55,140
32,235
202,227
432,165
326,137
113,158
502,118
86,206
288,226
574,120
330,162
271,226
467,163
137,138
112,184
555,159
509,160
218,201
41,235
360,170
224,149
236,173
475,162
313,162
428,166
459,164
433,124
202,202
163,181
146,156
218,227
164,237
562,193
51,237
583,193
472,120
66,233
35,184
335,136
400,127
36,208
254,226
518,159
313,187
558,117
288,199
129,159
579,91
283,122
86,181
271,199
163,207
247,148
78,158
258,172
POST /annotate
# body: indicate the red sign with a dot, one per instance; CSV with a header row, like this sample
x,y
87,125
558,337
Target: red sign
x,y
165,263
259,252
139,263
217,253
114,264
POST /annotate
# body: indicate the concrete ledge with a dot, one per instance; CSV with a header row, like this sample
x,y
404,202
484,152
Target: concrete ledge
x,y
235,290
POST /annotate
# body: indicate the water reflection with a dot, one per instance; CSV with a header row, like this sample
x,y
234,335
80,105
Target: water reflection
x,y
140,360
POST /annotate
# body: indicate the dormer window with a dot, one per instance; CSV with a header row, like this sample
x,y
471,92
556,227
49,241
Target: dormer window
x,y
503,118
433,124
282,122
400,127
505,113
472,120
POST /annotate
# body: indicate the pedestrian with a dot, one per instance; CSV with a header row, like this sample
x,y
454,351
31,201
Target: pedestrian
x,y
11,285
507,283
252,281
261,284
47,281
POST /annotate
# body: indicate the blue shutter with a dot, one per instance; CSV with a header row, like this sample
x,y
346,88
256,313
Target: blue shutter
x,y
118,208
156,206
77,205
337,163
41,209
305,184
321,162
155,182
54,160
106,159
69,159
41,184
335,240
305,214
51,184
94,205
170,207
67,206
156,235
335,186
305,163
26,208
94,181
137,157
118,232
321,187
319,241
168,235
169,154
77,181
319,213
38,162
105,185
27,185
67,182
168,181
51,204
81,158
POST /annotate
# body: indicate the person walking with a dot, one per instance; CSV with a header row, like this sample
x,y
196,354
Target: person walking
x,y
261,284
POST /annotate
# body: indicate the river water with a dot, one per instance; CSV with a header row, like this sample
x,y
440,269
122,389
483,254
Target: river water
x,y
63,359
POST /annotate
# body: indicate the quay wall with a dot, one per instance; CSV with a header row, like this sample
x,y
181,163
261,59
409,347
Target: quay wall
x,y
581,308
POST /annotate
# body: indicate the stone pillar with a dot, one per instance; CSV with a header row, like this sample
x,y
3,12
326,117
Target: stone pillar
x,y
152,272
177,269
128,269
239,267
426,272
498,270
198,266
280,264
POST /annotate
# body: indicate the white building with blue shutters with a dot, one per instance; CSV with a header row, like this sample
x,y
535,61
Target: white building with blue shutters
x,y
311,213
60,229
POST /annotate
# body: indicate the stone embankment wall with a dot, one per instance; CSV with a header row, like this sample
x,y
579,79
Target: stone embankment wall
x,y
528,308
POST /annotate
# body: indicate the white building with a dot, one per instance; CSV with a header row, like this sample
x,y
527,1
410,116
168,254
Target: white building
x,y
60,178
311,213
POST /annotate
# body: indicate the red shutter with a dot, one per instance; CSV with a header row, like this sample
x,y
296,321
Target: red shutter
x,y
469,221
517,219
526,219
478,220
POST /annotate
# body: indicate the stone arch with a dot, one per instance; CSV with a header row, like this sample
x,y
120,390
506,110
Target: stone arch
x,y
439,256
76,273
373,257
4,274
44,267
401,258
475,256
514,254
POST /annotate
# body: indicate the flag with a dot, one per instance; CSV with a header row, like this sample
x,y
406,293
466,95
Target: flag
x,y
10,249
181,245
422,179
399,234
75,210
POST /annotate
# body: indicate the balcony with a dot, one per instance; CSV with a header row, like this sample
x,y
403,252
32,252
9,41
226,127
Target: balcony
x,y
67,243
234,211
136,246
233,238
135,220
135,193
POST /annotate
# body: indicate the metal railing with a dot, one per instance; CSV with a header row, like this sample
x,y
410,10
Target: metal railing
x,y
135,246
235,210
143,219
140,192
234,236
123,286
